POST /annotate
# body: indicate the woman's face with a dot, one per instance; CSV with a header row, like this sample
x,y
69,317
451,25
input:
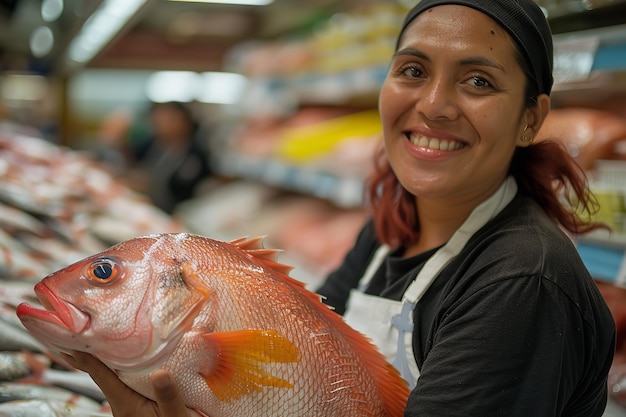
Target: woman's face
x,y
452,105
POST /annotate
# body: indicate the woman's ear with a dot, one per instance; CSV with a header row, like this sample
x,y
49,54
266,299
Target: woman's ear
x,y
540,111
533,119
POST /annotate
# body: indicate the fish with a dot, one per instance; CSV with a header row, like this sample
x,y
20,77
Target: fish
x,y
14,365
12,293
48,408
13,391
33,368
16,338
57,206
76,381
237,332
17,260
13,218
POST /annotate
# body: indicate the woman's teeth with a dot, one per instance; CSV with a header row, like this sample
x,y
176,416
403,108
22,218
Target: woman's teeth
x,y
435,144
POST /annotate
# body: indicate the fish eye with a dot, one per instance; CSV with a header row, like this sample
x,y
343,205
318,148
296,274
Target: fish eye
x,y
103,271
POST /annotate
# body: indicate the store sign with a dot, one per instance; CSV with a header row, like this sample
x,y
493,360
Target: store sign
x,y
573,59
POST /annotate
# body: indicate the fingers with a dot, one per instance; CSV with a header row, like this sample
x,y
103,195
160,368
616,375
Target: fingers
x,y
167,395
104,377
123,399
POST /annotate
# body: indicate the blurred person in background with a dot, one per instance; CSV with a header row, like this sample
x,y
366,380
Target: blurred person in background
x,y
171,164
112,141
466,277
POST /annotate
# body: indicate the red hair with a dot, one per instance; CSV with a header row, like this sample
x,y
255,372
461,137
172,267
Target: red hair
x,y
544,171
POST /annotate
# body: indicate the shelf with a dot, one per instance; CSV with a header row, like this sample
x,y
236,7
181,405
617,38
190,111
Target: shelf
x,y
345,191
594,65
590,64
340,88
588,14
604,255
605,77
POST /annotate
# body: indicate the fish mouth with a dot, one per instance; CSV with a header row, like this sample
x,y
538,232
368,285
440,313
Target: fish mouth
x,y
56,311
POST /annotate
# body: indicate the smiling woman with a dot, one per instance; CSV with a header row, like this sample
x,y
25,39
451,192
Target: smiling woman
x,y
466,277
453,112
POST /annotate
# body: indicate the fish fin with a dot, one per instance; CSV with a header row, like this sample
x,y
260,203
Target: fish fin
x,y
246,243
241,356
181,296
394,390
268,257
269,254
193,280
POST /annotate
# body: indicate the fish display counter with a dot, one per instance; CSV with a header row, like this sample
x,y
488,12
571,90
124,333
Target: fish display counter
x,y
56,206
63,270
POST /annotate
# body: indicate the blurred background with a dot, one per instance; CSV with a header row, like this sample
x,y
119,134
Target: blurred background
x,y
127,117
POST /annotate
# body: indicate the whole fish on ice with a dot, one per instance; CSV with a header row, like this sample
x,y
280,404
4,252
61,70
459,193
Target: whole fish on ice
x,y
14,391
48,408
240,336
15,364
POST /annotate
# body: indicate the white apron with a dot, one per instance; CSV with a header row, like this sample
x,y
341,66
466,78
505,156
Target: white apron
x,y
388,323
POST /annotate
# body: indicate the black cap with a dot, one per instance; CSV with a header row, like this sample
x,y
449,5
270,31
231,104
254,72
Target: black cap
x,y
522,19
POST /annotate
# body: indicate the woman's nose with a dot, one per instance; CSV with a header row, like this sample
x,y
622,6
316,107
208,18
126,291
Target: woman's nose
x,y
436,100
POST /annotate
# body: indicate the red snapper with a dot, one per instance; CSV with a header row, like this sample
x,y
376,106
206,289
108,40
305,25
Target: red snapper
x,y
240,336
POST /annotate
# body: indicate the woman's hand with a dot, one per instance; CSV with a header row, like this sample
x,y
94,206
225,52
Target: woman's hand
x,y
126,402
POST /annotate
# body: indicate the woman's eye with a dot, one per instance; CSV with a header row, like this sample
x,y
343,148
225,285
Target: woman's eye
x,y
479,82
411,72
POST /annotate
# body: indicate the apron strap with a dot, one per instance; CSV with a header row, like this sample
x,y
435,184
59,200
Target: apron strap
x,y
431,269
477,219
381,252
403,322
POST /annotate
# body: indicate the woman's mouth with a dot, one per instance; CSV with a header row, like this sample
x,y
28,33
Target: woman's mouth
x,y
434,143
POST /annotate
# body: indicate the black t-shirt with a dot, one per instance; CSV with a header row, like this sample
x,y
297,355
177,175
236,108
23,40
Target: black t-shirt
x,y
513,326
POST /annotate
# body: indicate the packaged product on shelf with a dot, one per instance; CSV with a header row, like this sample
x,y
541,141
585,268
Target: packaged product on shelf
x,y
590,135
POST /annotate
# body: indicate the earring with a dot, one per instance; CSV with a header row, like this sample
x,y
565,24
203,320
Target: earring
x,y
525,138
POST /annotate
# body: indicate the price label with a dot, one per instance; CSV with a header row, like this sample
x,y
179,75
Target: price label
x,y
573,59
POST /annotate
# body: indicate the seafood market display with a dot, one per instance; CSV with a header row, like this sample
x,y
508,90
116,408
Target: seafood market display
x,y
56,206
242,337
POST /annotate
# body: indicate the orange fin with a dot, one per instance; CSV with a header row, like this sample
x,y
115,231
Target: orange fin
x,y
268,257
248,244
394,390
240,356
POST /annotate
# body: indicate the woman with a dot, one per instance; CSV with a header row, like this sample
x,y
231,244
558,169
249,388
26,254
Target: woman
x,y
465,278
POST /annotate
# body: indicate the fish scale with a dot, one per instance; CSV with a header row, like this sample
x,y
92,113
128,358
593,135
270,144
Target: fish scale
x,y
240,336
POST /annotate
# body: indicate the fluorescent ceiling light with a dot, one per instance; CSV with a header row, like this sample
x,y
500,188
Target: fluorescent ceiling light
x,y
101,27
41,41
185,86
221,87
51,10
244,2
166,86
